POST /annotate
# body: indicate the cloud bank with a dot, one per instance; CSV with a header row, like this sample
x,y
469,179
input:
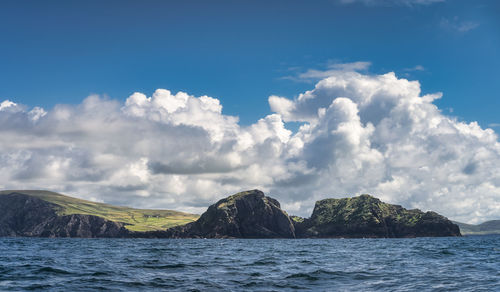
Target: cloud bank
x,y
360,133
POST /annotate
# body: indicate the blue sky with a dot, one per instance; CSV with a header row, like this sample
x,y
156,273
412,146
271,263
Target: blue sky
x,y
176,104
239,51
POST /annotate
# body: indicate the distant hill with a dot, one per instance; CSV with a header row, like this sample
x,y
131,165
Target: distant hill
x,y
133,219
488,227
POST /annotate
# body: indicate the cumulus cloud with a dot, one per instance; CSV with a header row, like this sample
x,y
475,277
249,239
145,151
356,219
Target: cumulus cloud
x,y
378,134
176,149
360,133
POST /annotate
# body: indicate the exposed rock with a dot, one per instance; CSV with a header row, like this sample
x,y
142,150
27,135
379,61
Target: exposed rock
x,y
366,216
247,214
78,225
23,215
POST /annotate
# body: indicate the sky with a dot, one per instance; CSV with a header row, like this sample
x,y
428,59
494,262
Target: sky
x,y
176,104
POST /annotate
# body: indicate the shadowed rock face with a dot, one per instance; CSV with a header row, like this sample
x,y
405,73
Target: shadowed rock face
x,y
23,215
247,214
244,215
366,216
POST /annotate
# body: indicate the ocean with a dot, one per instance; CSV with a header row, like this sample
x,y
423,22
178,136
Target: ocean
x,y
417,264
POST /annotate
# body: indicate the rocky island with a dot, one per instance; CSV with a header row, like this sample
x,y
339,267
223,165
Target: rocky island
x,y
366,216
248,214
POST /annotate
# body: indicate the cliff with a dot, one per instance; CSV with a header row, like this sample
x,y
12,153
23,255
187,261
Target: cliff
x,y
133,219
247,214
366,216
24,215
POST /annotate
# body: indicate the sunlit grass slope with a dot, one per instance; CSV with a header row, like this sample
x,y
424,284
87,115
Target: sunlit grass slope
x,y
135,219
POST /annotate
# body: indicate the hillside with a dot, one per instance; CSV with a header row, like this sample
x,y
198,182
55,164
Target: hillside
x,y
251,214
367,216
134,219
488,227
248,214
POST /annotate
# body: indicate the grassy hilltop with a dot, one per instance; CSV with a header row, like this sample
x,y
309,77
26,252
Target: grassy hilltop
x,y
135,219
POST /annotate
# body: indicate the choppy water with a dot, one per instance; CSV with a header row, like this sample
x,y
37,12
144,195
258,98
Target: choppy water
x,y
467,264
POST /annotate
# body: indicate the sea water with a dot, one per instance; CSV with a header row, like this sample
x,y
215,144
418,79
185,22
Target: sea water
x,y
418,264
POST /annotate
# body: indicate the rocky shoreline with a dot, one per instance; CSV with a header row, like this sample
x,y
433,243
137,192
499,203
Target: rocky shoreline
x,y
248,214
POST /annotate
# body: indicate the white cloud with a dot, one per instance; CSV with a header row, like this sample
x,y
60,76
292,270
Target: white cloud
x,y
173,148
415,68
455,24
332,69
8,105
353,66
377,134
361,134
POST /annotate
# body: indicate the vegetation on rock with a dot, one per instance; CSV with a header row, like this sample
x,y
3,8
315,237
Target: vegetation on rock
x,y
248,214
366,216
133,219
24,215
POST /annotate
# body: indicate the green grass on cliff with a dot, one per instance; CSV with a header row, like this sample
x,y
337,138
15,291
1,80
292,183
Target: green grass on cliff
x,y
361,209
297,219
231,199
135,219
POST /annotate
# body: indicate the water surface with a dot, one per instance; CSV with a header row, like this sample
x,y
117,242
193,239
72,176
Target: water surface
x,y
442,264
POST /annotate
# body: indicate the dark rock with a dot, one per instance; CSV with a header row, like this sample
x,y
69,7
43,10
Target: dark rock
x,y
247,214
78,225
366,216
24,215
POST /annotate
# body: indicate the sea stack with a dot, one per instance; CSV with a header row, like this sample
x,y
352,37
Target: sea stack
x,y
248,214
366,216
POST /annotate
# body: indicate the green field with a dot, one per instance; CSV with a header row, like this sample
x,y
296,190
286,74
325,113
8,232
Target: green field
x,y
135,219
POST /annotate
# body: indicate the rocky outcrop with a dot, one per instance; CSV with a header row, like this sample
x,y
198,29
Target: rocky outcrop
x,y
24,215
247,214
77,225
366,216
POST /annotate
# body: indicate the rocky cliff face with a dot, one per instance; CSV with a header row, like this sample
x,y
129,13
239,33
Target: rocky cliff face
x,y
247,214
23,215
244,215
366,216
